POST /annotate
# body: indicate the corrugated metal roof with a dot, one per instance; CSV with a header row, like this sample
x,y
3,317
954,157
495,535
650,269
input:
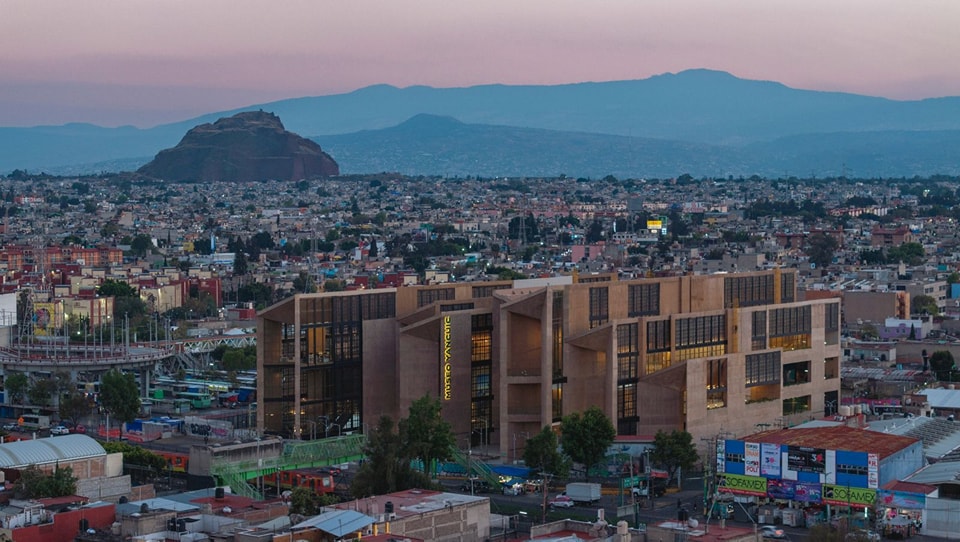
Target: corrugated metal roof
x,y
840,437
337,522
43,451
943,398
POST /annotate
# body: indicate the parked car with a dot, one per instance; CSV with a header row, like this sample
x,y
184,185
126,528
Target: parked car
x,y
10,426
561,501
771,531
59,430
476,485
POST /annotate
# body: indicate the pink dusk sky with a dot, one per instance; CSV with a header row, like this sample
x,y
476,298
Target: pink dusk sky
x,y
145,62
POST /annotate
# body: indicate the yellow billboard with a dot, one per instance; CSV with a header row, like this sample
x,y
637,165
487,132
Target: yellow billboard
x,y
654,224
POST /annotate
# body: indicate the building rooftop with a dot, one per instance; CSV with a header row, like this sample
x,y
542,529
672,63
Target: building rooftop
x,y
838,437
44,451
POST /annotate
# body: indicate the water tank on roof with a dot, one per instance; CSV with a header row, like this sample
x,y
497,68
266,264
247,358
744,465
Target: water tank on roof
x,y
218,493
388,507
845,410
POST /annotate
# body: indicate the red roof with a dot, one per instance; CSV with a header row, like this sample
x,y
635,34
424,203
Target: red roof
x,y
838,437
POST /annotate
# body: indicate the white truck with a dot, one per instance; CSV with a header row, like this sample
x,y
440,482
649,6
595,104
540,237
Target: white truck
x,y
583,492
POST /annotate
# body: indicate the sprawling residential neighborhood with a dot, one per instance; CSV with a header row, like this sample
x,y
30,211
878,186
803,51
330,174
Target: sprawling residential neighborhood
x,y
265,340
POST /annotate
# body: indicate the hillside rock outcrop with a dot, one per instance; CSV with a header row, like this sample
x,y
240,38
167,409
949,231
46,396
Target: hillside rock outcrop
x,y
249,146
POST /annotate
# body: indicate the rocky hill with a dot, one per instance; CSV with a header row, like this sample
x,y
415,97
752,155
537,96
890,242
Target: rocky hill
x,y
249,146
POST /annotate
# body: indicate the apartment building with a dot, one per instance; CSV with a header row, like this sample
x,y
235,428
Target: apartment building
x,y
695,352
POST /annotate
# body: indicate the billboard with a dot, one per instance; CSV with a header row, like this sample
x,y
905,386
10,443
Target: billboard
x,y
770,459
901,499
654,225
803,459
742,485
751,458
793,491
849,496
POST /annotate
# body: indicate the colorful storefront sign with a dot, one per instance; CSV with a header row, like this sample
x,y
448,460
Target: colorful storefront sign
x,y
849,496
751,458
742,485
901,499
793,491
770,459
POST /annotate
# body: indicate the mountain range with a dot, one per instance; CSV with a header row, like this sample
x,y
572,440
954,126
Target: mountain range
x,y
700,122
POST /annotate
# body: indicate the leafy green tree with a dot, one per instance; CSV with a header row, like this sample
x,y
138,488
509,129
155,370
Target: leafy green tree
x,y
425,435
303,283
587,437
304,501
820,249
141,244
137,455
37,484
542,453
16,386
942,364
909,253
386,467
924,304
119,395
41,391
673,451
74,405
116,288
240,264
953,278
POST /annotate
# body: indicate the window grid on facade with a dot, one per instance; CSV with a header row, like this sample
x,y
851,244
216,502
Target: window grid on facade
x,y
599,306
456,307
758,330
643,299
749,291
796,405
626,402
557,334
658,346
787,287
716,383
702,331
557,392
796,373
481,376
628,352
487,291
762,369
790,328
831,326
432,295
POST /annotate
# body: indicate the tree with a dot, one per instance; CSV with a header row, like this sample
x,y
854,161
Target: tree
x,y
924,304
36,484
587,437
137,455
141,244
673,451
942,365
41,391
119,395
116,288
542,453
304,283
386,468
16,385
74,405
240,266
424,434
820,249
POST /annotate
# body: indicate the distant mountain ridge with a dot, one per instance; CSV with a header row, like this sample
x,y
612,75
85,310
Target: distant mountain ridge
x,y
697,110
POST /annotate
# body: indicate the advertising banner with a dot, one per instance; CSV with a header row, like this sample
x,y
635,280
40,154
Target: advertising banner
x,y
742,485
901,499
751,457
770,459
807,492
873,471
849,496
803,459
721,455
781,489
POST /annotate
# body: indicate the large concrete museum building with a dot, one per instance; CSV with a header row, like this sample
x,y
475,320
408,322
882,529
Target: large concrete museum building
x,y
705,353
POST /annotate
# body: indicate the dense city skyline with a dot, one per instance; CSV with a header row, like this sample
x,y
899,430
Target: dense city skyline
x,y
145,63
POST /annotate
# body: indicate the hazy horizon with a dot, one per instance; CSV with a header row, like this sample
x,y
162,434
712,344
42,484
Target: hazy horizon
x,y
157,61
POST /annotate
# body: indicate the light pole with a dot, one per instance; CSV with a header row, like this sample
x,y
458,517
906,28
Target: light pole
x,y
313,429
327,429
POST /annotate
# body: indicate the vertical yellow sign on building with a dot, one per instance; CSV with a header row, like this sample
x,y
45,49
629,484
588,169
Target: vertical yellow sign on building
x,y
447,363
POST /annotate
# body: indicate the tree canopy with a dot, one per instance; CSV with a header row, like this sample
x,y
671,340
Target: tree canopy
x,y
542,453
37,484
424,434
943,366
386,467
673,451
587,437
119,395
